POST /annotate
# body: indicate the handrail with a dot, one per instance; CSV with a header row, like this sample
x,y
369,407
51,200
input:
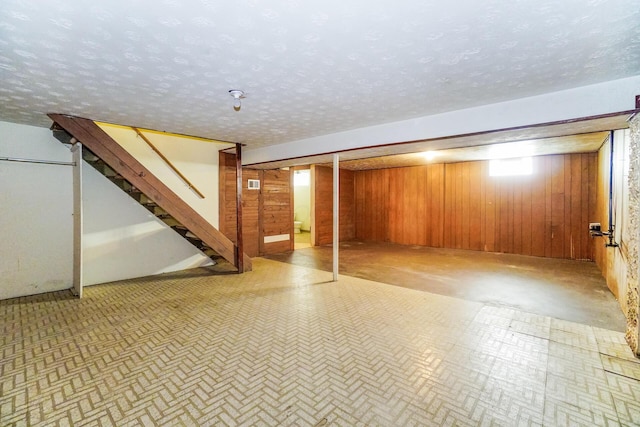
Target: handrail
x,y
44,162
168,162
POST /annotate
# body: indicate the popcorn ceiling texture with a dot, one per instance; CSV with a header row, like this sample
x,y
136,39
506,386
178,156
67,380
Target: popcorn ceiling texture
x,y
309,67
633,303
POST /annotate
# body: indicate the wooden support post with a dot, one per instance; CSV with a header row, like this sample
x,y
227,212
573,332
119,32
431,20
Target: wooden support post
x,y
77,219
336,213
239,243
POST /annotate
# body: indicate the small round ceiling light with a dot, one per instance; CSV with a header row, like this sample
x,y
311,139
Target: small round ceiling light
x,y
237,95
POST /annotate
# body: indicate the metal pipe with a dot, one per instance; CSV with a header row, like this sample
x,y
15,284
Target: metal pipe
x,y
336,214
609,233
43,162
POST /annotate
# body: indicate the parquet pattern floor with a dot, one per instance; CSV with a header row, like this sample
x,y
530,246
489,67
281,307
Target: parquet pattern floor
x,y
284,346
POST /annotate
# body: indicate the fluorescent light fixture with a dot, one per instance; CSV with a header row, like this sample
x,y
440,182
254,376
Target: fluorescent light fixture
x,y
511,167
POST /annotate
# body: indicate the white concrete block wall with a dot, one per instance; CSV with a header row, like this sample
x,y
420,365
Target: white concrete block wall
x,y
36,209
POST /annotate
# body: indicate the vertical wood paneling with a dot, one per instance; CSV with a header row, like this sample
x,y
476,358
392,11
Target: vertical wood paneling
x,y
382,204
548,197
502,221
526,197
360,226
429,199
539,207
593,200
372,215
323,226
421,201
448,219
323,194
517,214
458,205
475,203
576,214
490,204
557,206
396,220
465,202
407,214
437,187
483,172
347,205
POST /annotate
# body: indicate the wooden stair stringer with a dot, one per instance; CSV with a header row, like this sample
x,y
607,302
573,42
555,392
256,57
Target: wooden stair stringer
x,y
121,161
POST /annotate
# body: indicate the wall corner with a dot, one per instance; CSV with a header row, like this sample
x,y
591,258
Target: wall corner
x,y
632,334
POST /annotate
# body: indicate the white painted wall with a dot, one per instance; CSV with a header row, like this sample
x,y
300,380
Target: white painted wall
x,y
36,208
123,240
195,158
603,98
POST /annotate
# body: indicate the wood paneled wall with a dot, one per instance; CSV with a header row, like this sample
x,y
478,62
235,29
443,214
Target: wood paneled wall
x,y
458,205
372,204
227,202
265,212
323,205
227,206
415,205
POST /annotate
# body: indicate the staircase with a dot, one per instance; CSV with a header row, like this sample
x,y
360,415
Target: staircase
x,y
151,206
116,164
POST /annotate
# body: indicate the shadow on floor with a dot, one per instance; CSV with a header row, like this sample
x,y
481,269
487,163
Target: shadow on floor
x,y
564,289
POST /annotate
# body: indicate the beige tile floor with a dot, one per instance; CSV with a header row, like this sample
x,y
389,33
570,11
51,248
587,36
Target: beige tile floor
x,y
302,240
283,346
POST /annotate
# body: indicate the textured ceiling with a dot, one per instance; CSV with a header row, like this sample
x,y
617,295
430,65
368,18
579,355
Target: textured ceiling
x,y
309,67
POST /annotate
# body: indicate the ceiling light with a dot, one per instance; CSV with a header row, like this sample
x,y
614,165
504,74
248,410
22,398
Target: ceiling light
x,y
429,155
237,96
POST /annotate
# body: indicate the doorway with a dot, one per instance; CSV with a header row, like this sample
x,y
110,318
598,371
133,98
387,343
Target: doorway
x,y
302,208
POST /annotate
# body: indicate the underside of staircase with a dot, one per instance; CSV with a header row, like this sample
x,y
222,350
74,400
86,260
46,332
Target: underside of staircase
x,y
120,167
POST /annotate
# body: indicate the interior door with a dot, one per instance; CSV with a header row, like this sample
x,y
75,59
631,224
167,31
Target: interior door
x,y
277,212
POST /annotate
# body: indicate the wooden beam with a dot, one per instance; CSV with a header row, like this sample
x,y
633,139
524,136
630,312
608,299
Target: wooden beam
x,y
77,220
168,162
239,242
